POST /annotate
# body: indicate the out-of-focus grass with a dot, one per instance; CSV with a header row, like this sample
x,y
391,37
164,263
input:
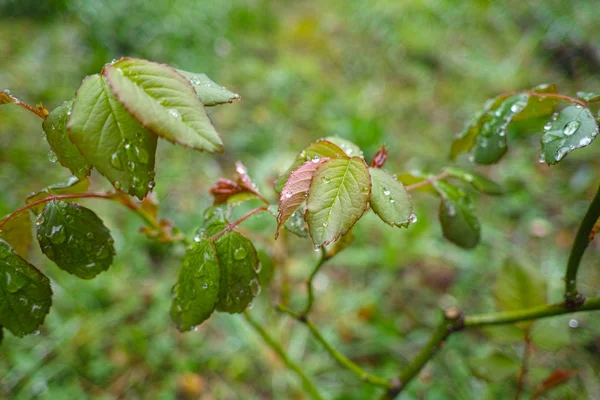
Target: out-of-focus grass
x,y
408,74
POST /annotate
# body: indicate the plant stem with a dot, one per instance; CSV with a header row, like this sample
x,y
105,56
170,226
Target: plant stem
x,y
582,240
50,198
452,321
339,357
238,221
6,98
524,365
276,347
428,181
309,283
549,310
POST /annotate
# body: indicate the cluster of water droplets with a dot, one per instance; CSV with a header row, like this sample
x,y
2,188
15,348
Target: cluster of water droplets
x,y
561,137
132,156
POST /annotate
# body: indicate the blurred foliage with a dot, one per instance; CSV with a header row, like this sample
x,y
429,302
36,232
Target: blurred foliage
x,y
407,74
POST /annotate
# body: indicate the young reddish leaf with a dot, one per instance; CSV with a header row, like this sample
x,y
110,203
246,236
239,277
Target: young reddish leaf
x,y
556,378
224,189
67,153
17,233
380,157
25,293
243,179
338,197
295,190
389,199
319,149
164,102
210,93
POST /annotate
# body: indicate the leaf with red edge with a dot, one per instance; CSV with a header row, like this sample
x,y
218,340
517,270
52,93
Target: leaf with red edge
x,y
295,190
556,378
338,197
243,179
380,157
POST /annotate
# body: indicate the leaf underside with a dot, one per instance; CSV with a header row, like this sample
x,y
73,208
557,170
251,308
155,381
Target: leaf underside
x,y
209,93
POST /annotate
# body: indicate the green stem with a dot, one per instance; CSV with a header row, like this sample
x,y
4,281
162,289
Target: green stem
x,y
582,240
276,347
337,356
309,283
549,310
452,321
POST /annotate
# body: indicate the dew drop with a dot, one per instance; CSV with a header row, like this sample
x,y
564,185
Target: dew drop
x,y
117,185
585,141
240,253
548,126
412,218
195,80
115,161
316,159
571,127
542,158
392,200
52,156
57,234
326,179
387,191
561,153
554,116
288,194
175,114
317,247
255,287
325,224
142,155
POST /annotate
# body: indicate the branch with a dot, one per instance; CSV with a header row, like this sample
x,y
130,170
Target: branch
x,y
237,222
428,181
337,356
524,364
452,321
309,283
582,240
276,347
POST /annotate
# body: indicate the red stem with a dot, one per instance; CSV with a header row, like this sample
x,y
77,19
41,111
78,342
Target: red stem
x,y
237,222
548,95
428,181
54,197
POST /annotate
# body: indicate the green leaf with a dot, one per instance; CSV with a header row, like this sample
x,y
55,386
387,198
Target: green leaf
x,y
294,192
486,133
164,102
551,334
490,144
115,143
209,92
17,232
25,293
320,149
414,177
67,154
538,106
197,289
481,183
459,224
519,286
573,128
495,367
337,198
389,199
71,186
588,97
347,146
296,223
239,270
75,239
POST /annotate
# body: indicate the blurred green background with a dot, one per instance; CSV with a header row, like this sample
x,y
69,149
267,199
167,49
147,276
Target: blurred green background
x,y
404,73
